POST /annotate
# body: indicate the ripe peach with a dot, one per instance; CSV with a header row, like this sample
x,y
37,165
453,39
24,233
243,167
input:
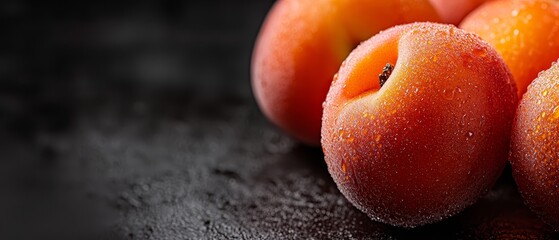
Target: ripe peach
x,y
524,32
302,44
453,11
433,137
535,146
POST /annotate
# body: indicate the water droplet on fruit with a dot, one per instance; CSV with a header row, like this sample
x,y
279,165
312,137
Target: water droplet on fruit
x,y
450,94
365,131
555,114
343,63
463,120
341,132
447,94
467,60
482,52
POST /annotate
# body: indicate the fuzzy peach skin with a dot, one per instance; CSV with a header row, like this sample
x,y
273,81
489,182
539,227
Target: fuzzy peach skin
x,y
453,11
535,146
302,44
433,138
524,32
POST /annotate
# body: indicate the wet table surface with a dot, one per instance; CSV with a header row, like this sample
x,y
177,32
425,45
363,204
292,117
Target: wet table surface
x,y
138,123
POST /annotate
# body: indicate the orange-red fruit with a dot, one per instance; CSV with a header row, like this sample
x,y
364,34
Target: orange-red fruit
x,y
453,11
535,146
433,138
302,44
524,32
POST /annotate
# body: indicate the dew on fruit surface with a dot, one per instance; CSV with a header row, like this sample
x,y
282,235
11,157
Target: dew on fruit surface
x,y
364,132
467,60
480,51
341,132
335,78
463,120
442,33
434,58
555,114
344,63
451,94
448,95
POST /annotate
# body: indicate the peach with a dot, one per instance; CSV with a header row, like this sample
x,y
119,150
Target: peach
x,y
524,32
302,44
433,137
453,11
535,146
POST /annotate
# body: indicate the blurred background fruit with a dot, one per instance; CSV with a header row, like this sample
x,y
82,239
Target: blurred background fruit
x,y
524,32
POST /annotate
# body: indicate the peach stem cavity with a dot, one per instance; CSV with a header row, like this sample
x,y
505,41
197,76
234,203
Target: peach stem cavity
x,y
386,71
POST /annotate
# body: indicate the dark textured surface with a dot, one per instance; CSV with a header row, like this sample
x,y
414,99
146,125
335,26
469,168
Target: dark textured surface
x,y
136,121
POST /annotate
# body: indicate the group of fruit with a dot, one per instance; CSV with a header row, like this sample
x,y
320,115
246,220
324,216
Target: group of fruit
x,y
417,119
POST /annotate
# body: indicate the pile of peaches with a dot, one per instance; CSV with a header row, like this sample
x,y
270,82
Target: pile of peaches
x,y
418,104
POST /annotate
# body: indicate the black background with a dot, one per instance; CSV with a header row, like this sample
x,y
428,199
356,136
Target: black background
x,y
136,121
